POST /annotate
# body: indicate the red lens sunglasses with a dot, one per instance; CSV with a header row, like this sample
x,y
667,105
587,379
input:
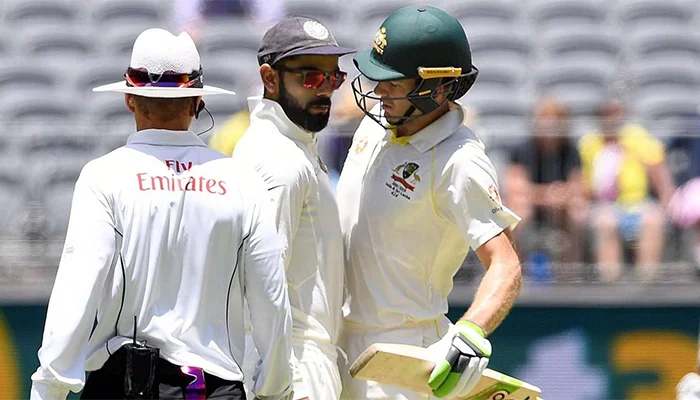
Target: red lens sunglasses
x,y
313,78
139,77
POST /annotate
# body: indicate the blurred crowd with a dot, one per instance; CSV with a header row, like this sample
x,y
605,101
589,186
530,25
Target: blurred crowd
x,y
613,197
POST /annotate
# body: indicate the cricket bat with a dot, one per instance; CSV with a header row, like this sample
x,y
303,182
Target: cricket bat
x,y
409,367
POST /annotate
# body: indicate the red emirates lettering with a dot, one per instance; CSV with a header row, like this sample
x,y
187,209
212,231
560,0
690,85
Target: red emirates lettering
x,y
141,182
174,183
178,166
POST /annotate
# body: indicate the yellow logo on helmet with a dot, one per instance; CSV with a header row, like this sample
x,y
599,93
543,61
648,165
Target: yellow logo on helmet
x,y
380,40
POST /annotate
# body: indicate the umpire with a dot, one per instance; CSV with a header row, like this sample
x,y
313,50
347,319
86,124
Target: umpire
x,y
166,238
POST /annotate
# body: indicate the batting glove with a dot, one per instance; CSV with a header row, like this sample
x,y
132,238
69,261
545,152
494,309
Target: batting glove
x,y
462,356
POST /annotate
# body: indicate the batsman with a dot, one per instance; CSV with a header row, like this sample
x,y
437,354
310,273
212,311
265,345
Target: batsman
x,y
416,193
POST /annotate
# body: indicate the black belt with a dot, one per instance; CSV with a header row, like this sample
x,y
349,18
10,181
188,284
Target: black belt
x,y
166,372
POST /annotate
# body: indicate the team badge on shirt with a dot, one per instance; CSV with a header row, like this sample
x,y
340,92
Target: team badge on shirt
x,y
496,198
493,194
361,145
404,179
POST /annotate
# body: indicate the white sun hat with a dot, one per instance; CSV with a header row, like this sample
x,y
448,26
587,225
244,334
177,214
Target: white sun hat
x,y
164,66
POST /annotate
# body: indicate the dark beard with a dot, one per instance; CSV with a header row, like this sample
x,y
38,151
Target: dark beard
x,y
301,116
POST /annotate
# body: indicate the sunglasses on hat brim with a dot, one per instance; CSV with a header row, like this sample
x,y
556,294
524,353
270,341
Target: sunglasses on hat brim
x,y
140,77
313,78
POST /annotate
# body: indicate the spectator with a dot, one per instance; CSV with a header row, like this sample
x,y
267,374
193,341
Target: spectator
x,y
225,138
544,186
619,163
299,70
684,157
189,14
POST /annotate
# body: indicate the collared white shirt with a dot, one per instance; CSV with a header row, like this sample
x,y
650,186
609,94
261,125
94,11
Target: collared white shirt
x,y
307,217
176,234
410,210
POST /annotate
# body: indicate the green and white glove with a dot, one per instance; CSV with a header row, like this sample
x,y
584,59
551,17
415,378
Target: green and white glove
x,y
461,357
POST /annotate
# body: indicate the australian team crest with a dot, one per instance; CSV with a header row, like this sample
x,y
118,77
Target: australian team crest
x,y
380,40
406,174
361,145
495,198
493,194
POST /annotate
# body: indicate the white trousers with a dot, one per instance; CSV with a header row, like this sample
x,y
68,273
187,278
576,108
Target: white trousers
x,y
356,338
318,367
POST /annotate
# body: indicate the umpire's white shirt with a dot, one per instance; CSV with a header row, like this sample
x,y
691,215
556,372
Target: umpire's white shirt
x,y
410,209
176,234
307,217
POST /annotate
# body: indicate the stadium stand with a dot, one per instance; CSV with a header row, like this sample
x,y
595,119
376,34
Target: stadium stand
x,y
117,39
322,11
545,14
500,12
580,40
21,77
111,13
13,196
582,85
19,13
58,41
634,14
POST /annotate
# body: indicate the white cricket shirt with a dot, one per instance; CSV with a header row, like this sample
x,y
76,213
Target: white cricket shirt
x,y
307,217
176,234
410,209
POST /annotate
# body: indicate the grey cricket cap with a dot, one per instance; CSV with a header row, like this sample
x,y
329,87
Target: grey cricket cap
x,y
295,36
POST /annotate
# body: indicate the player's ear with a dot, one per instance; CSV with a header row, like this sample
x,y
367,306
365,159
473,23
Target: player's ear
x,y
197,106
270,79
130,104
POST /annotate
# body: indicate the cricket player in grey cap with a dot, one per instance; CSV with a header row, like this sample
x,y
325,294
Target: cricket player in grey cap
x,y
299,70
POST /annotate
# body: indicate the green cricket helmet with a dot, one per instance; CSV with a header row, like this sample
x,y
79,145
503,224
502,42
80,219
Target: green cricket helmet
x,y
422,43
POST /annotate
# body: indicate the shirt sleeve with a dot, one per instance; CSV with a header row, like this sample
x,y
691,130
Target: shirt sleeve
x,y
266,293
467,195
87,257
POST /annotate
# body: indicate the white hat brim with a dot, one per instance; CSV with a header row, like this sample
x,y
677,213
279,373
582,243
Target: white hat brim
x,y
161,92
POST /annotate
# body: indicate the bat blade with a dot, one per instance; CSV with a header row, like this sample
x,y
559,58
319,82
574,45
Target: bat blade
x,y
409,367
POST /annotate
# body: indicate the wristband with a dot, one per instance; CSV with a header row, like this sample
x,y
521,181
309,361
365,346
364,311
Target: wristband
x,y
474,326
